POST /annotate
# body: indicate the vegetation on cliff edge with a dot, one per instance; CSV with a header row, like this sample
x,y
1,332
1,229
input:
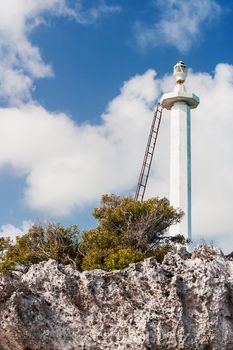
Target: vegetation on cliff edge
x,y
128,231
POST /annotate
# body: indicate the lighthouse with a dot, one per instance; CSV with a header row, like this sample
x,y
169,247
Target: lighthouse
x,y
179,103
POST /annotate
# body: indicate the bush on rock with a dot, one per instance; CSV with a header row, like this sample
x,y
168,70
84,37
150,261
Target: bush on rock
x,y
128,231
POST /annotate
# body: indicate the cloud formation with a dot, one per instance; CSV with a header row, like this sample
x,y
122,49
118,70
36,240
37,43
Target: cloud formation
x,y
180,23
66,164
12,231
21,62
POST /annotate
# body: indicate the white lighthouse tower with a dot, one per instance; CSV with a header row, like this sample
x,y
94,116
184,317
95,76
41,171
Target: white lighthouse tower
x,y
180,102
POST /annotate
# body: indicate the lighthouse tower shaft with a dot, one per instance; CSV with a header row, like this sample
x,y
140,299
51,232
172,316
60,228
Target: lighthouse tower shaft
x,y
180,102
180,166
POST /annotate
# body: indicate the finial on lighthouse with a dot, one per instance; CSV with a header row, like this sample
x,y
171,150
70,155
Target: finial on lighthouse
x,y
180,72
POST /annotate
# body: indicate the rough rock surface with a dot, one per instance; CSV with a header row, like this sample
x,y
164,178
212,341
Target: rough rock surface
x,y
184,303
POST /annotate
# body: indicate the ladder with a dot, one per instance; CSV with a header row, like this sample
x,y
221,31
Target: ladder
x,y
146,165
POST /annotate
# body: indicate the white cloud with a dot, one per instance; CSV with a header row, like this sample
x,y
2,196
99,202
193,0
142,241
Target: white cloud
x,y
11,231
180,24
21,62
66,164
91,14
69,166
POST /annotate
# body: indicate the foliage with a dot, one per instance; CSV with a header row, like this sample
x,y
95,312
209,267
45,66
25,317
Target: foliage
x,y
4,244
159,252
128,231
42,243
111,259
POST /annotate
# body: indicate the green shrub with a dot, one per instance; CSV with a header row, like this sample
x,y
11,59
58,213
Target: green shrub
x,y
159,252
111,259
5,243
42,243
121,258
128,231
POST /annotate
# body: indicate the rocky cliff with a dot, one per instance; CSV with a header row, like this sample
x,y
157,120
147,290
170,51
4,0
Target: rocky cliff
x,y
184,303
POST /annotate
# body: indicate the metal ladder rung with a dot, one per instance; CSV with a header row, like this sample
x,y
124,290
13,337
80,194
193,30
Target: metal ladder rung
x,y
146,165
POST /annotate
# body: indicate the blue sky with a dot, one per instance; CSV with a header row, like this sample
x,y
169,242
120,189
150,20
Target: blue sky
x,y
78,83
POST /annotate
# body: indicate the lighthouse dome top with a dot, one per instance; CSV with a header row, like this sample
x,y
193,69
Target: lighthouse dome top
x,y
180,72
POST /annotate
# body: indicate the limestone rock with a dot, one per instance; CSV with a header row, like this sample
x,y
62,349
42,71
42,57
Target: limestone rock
x,y
185,303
